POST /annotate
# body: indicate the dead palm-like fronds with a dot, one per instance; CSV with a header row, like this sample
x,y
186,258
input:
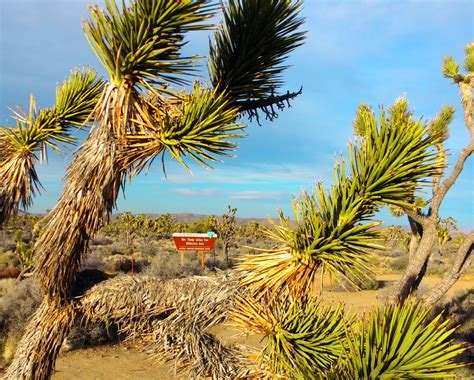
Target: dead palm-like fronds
x,y
172,318
400,342
37,130
44,336
387,164
184,337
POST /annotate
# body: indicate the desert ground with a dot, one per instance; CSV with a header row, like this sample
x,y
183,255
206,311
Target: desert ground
x,y
124,361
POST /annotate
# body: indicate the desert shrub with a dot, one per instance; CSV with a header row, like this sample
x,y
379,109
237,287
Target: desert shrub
x,y
148,250
101,240
437,265
167,265
90,334
219,263
16,306
9,259
390,253
399,263
118,263
6,285
122,263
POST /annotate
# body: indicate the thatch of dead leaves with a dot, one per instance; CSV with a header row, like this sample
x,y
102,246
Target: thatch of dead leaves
x,y
170,318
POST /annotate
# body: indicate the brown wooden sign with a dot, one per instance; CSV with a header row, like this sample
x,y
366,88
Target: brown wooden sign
x,y
194,242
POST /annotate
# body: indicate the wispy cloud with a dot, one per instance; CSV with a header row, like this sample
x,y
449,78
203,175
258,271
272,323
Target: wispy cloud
x,y
257,194
194,192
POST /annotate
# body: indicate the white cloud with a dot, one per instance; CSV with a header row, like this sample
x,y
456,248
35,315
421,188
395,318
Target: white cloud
x,y
199,193
256,194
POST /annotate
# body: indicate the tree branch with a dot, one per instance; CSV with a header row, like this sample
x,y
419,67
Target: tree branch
x,y
468,106
460,263
446,185
266,105
420,219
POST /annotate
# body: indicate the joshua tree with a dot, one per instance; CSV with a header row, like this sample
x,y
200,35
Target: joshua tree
x,y
226,228
128,224
387,164
164,226
424,224
139,117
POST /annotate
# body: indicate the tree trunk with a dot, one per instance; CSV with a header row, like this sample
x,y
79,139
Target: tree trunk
x,y
92,185
416,267
416,235
39,347
225,251
462,261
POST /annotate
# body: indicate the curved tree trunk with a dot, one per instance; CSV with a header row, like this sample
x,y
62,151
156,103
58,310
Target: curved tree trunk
x,y
92,184
44,335
416,267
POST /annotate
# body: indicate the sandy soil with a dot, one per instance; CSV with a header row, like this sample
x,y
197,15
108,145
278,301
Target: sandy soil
x,y
120,362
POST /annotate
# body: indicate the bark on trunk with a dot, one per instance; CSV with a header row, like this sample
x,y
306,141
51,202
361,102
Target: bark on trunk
x,y
462,261
416,267
92,185
39,347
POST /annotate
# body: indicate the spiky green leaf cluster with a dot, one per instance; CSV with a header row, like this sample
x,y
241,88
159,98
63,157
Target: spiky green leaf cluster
x,y
364,117
141,43
76,98
200,125
469,59
440,124
387,166
303,339
401,342
253,42
451,69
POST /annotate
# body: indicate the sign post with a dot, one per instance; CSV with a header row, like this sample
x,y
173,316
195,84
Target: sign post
x,y
194,242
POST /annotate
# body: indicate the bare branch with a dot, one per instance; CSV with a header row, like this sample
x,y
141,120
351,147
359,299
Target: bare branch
x,y
468,106
446,185
267,105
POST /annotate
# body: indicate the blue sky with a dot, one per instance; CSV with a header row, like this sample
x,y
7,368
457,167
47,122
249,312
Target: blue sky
x,y
356,51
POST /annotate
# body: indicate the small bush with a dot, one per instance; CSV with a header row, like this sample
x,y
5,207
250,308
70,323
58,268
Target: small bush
x,y
100,240
91,334
16,307
167,265
399,264
9,259
118,263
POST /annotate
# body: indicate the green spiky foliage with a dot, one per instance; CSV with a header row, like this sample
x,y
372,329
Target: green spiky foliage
x,y
200,125
332,231
302,338
440,123
141,43
469,58
401,342
39,129
250,47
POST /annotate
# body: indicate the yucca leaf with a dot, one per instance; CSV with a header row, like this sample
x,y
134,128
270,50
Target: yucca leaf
x,y
140,43
255,37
